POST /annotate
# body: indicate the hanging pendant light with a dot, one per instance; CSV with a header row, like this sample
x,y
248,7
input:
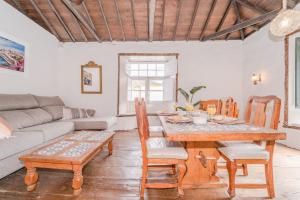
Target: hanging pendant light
x,y
286,22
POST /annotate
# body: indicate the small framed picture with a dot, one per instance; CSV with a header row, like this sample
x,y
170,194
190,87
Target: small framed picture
x,y
91,78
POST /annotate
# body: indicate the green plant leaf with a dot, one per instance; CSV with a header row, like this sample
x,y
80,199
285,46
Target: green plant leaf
x,y
184,93
197,103
181,108
196,89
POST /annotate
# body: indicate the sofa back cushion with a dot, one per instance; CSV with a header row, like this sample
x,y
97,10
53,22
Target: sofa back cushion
x,y
55,111
49,101
17,119
17,102
39,115
53,105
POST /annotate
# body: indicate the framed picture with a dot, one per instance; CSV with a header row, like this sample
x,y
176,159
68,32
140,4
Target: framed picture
x,y
91,78
12,55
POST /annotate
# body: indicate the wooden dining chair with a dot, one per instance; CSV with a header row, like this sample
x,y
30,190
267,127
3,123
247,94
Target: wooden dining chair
x,y
217,102
244,153
158,151
229,108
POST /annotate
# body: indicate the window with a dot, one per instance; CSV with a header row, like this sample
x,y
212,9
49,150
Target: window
x,y
144,81
150,77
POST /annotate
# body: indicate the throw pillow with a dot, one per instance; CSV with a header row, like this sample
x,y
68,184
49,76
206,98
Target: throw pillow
x,y
67,113
74,113
90,112
5,130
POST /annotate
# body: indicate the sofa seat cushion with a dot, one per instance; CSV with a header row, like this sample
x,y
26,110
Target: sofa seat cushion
x,y
236,153
161,148
20,141
93,123
53,129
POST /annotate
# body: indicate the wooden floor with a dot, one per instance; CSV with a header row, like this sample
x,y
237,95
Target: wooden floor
x,y
117,177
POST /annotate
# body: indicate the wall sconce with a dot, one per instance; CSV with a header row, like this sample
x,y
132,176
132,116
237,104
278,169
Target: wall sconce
x,y
256,78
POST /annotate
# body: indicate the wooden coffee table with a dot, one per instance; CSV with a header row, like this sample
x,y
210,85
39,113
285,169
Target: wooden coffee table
x,y
72,152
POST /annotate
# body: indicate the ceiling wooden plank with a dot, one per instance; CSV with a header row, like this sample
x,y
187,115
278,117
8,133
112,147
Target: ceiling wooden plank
x,y
238,16
224,16
163,20
19,6
79,27
207,20
252,7
120,19
105,19
133,19
88,15
45,19
178,11
151,16
193,19
244,24
61,20
80,18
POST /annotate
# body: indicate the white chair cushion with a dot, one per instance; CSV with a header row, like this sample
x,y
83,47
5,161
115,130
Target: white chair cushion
x,y
241,144
156,131
235,153
161,148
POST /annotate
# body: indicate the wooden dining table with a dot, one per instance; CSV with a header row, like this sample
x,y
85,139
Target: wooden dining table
x,y
201,143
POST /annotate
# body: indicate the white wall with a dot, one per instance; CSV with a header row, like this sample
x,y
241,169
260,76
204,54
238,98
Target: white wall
x,y
265,54
40,59
214,64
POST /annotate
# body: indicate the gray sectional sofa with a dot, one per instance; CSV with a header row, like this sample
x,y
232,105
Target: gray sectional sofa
x,y
36,120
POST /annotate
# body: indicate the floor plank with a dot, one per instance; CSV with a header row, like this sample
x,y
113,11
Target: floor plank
x,y
116,177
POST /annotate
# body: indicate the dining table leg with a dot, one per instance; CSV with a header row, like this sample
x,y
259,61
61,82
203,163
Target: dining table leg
x,y
202,165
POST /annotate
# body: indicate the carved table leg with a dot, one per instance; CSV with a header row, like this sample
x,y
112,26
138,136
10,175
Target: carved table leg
x,y
31,178
77,180
110,147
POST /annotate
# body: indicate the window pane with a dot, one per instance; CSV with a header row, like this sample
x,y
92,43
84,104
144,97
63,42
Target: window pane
x,y
139,94
143,73
134,67
160,73
151,73
129,96
156,85
155,95
152,67
160,66
138,85
134,73
143,66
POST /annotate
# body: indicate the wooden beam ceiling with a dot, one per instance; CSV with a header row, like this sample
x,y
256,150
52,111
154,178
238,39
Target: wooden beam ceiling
x,y
80,18
150,20
242,25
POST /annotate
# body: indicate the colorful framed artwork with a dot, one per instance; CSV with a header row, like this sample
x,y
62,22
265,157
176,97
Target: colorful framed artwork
x,y
12,55
91,78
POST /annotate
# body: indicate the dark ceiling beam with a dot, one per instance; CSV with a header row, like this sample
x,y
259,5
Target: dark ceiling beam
x,y
163,21
81,19
252,7
79,28
61,20
178,11
88,15
228,34
238,17
120,19
52,30
133,19
19,6
242,25
207,19
224,16
193,19
105,19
